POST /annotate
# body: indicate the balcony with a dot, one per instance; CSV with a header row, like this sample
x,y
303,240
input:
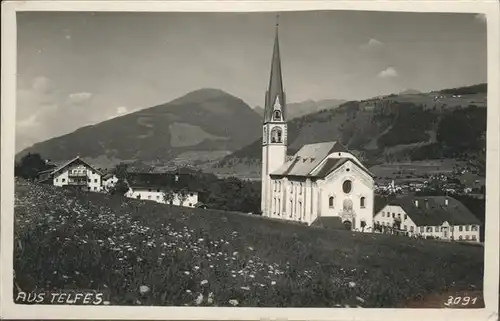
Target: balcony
x,y
78,181
78,174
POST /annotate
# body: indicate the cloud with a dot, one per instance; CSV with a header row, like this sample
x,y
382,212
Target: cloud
x,y
388,73
372,44
41,84
78,98
481,17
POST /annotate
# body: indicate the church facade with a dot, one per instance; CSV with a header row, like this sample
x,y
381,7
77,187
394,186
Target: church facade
x,y
320,180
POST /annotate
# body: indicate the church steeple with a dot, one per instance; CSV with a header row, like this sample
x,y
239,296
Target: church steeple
x,y
275,96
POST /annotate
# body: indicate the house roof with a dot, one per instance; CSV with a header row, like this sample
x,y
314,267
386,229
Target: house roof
x,y
307,158
161,181
76,159
432,211
306,161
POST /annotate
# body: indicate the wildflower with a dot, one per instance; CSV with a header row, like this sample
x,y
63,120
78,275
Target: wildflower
x,y
273,282
360,299
235,253
199,299
352,284
186,272
246,288
188,291
233,302
204,282
196,268
210,299
106,303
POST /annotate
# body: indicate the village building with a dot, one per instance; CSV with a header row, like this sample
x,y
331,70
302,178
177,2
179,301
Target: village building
x,y
165,188
440,217
321,180
75,173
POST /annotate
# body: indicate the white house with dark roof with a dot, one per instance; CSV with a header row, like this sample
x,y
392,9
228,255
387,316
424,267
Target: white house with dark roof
x,y
153,187
441,217
322,180
75,173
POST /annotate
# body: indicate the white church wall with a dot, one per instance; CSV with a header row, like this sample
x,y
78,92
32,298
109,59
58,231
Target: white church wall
x,y
361,187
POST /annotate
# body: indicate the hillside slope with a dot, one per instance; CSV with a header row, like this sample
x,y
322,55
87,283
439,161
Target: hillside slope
x,y
392,128
116,245
295,110
203,122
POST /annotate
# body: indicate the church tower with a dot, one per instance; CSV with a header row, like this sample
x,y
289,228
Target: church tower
x,y
274,135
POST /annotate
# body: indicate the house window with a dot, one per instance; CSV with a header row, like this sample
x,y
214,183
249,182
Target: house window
x,y
149,189
191,194
64,180
436,229
149,197
95,180
405,227
95,188
300,189
406,217
190,204
411,229
93,172
422,229
347,186
56,179
277,115
158,190
362,202
157,197
330,202
467,228
460,228
474,238
467,237
460,237
474,228
429,229
138,196
393,215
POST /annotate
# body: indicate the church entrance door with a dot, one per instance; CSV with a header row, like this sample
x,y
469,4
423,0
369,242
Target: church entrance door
x,y
348,225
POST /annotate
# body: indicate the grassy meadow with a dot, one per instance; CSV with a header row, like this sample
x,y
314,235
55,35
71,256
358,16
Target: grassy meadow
x,y
144,253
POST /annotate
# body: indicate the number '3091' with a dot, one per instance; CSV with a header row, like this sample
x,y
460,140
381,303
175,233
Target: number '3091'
x,y
458,300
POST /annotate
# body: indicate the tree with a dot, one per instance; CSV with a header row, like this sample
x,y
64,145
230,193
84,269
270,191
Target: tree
x,y
29,166
168,196
121,187
182,195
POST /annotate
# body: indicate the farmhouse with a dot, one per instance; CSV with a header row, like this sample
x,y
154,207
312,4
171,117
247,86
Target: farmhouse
x,y
320,180
440,217
175,189
109,180
75,173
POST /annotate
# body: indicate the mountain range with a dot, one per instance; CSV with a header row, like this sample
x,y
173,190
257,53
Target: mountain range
x,y
204,124
216,130
409,126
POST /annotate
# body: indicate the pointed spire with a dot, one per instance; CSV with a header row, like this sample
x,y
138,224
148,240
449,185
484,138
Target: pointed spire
x,y
275,91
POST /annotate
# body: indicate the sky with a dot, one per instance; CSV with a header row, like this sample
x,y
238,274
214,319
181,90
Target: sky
x,y
80,68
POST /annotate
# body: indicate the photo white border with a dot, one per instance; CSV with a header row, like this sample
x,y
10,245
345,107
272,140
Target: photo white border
x,y
9,310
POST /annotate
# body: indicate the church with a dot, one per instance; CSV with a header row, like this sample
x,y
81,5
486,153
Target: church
x,y
321,181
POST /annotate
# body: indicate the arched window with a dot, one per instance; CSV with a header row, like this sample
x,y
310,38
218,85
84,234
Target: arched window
x,y
330,202
362,202
277,115
276,135
347,186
